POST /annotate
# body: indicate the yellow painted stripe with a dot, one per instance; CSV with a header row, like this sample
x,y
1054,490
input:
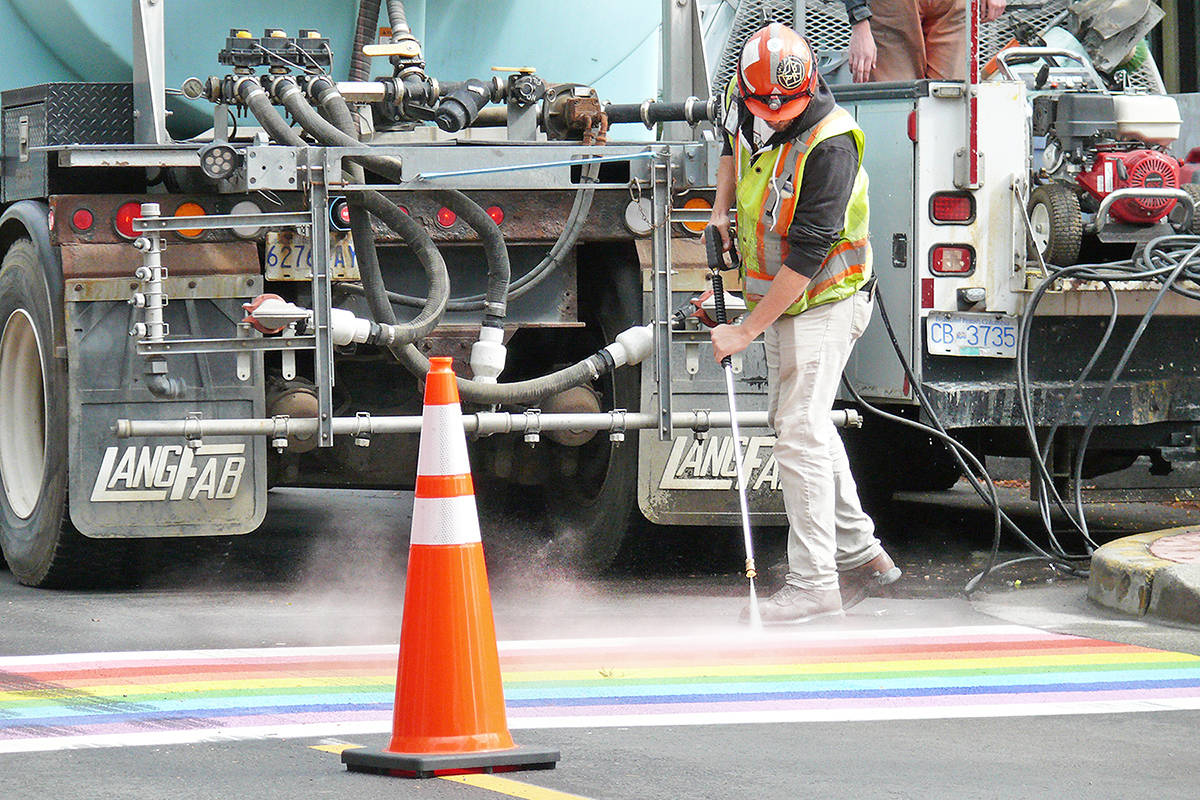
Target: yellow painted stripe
x,y
336,749
511,788
900,666
905,666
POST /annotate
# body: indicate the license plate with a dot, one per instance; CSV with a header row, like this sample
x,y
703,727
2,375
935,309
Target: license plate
x,y
289,257
992,335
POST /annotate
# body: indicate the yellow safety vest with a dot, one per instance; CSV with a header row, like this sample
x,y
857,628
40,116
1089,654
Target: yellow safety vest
x,y
768,185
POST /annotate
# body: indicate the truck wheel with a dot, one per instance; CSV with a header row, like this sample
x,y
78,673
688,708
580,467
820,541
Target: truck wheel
x,y
1056,224
41,546
591,513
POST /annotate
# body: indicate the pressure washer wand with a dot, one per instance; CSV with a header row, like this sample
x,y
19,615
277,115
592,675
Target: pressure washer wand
x,y
716,262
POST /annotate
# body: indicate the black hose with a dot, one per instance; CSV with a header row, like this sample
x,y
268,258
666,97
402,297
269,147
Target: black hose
x,y
527,391
364,34
576,219
397,18
256,99
495,301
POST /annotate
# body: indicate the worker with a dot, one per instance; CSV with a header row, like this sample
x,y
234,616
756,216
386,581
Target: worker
x,y
793,161
905,40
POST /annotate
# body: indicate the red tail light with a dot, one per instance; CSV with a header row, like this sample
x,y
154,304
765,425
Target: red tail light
x,y
126,214
446,217
952,259
953,208
496,213
82,220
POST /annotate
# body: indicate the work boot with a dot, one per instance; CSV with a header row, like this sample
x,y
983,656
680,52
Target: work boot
x,y
793,605
858,583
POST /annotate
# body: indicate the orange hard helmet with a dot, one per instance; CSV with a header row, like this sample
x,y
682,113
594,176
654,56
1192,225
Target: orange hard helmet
x,y
777,74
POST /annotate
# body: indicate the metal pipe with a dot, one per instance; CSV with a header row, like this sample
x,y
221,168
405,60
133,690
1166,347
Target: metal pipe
x,y
484,423
1152,193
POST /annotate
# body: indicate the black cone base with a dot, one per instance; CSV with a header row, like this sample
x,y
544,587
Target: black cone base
x,y
429,765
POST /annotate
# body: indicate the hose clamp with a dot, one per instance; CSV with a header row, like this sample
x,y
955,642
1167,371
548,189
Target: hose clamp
x,y
689,111
279,436
362,429
645,114
533,426
191,430
702,425
616,433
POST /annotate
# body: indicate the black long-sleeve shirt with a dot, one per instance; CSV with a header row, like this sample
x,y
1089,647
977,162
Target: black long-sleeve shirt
x,y
825,186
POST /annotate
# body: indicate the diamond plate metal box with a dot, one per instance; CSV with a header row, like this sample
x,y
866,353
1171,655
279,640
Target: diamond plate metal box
x,y
58,114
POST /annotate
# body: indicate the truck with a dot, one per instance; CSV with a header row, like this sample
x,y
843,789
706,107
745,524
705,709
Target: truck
x,y
202,299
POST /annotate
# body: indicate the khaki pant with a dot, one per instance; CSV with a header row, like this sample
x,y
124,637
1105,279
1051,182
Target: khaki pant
x,y
919,39
827,528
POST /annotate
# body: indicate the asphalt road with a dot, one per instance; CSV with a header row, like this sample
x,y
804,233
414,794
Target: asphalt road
x,y
327,570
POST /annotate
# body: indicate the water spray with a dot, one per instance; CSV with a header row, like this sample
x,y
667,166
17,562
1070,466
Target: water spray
x,y
714,249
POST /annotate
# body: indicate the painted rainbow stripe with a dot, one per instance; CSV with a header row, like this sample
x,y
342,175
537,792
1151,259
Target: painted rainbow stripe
x,y
114,699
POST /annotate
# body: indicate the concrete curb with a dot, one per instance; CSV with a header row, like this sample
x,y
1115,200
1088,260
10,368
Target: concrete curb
x,y
1130,577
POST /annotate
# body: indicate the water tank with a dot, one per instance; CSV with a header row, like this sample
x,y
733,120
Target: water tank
x,y
612,45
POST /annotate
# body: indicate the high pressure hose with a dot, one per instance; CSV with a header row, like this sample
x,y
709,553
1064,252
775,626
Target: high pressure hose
x,y
364,33
495,301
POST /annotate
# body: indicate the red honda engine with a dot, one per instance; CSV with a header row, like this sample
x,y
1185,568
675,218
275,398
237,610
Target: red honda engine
x,y
1136,169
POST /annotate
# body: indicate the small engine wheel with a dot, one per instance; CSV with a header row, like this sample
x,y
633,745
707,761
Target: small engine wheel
x,y
1056,224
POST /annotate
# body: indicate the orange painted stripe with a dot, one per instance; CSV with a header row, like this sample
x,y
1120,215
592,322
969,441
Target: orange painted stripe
x,y
445,486
440,387
762,276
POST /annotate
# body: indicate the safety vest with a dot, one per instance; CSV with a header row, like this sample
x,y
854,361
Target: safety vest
x,y
768,185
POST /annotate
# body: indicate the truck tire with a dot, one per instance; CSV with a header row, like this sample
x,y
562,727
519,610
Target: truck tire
x,y
39,543
591,514
1056,223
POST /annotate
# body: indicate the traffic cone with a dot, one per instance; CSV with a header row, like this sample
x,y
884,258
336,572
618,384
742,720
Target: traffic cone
x,y
449,712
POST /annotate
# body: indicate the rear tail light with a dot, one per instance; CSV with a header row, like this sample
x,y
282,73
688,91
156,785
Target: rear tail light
x,y
697,204
952,208
496,213
82,220
952,259
123,221
339,214
190,210
445,217
246,208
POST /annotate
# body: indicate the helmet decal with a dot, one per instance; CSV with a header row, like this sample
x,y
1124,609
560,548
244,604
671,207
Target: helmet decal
x,y
790,73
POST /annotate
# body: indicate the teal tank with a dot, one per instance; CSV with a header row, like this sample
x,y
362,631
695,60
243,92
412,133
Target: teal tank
x,y
612,45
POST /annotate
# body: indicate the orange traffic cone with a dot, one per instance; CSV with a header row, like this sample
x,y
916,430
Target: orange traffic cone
x,y
449,713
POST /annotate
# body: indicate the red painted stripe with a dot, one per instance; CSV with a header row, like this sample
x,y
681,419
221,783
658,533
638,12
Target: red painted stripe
x,y
444,486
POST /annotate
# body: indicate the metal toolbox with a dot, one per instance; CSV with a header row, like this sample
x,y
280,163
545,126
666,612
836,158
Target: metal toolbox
x,y
58,114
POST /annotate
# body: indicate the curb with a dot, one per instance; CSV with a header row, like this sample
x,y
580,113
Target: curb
x,y
1150,575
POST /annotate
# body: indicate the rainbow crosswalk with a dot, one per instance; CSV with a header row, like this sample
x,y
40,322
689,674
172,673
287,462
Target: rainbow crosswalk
x,y
121,699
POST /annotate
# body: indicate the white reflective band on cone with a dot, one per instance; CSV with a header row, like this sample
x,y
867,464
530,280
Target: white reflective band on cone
x,y
445,520
443,449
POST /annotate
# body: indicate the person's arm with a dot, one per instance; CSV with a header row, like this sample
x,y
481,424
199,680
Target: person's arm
x,y
862,53
820,215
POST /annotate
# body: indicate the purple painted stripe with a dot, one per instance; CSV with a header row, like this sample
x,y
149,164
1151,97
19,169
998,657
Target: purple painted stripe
x,y
955,700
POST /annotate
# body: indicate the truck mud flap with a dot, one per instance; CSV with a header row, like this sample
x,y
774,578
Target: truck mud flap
x,y
152,487
692,480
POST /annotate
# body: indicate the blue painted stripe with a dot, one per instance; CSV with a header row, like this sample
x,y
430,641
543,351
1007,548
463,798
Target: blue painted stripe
x,y
717,686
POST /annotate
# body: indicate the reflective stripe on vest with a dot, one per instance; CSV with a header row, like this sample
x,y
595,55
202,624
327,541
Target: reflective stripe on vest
x,y
768,185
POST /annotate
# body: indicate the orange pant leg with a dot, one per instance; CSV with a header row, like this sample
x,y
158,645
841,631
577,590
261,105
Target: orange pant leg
x,y
896,27
944,23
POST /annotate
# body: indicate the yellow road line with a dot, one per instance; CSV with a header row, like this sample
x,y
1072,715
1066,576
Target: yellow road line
x,y
336,749
511,788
